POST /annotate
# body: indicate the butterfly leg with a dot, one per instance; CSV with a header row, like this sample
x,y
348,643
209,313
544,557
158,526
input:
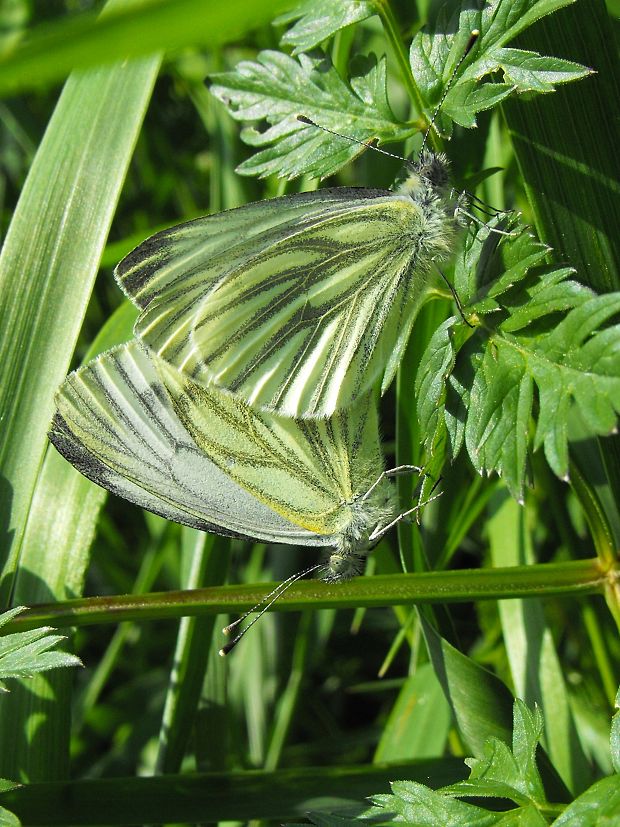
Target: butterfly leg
x,y
398,471
378,533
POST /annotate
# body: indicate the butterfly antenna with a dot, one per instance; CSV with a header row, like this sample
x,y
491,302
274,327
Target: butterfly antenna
x,y
457,301
475,34
365,144
268,600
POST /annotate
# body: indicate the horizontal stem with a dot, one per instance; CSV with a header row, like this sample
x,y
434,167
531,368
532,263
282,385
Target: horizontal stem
x,y
239,796
579,577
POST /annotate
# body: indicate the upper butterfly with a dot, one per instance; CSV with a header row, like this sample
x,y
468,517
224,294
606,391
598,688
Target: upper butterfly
x,y
297,304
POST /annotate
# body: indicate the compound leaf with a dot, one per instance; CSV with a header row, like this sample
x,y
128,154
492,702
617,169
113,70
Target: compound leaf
x,y
542,347
316,20
278,88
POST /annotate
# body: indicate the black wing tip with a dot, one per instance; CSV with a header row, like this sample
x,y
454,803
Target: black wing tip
x,y
68,446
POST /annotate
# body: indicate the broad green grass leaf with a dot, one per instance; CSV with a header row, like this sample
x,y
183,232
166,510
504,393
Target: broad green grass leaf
x,y
53,564
615,736
207,564
480,701
534,662
59,553
571,177
56,237
278,88
281,795
25,654
419,721
599,806
437,52
14,17
316,20
131,29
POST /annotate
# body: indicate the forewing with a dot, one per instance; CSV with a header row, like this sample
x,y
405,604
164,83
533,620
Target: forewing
x,y
307,470
301,318
116,424
190,258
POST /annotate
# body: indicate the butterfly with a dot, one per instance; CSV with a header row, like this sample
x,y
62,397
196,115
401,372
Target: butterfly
x,y
140,428
297,304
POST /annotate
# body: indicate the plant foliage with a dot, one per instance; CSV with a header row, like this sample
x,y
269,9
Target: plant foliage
x,y
535,329
25,654
297,719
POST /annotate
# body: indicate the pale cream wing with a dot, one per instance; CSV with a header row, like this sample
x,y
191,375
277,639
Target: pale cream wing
x,y
116,424
309,471
298,304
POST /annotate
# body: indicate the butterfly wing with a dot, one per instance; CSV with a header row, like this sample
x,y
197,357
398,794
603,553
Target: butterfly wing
x,y
115,423
309,471
297,304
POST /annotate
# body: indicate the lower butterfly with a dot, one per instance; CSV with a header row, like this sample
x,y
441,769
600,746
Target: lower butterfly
x,y
297,304
138,427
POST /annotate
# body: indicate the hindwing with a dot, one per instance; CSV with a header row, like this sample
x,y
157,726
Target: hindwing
x,y
116,424
309,471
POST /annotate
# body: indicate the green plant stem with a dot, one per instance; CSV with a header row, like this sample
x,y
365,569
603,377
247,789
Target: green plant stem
x,y
602,535
600,651
392,34
580,577
281,795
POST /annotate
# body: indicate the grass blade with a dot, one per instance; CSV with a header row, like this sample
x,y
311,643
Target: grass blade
x,y
48,265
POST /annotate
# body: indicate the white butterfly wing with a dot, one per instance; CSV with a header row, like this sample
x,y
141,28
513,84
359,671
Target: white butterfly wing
x,y
115,423
298,304
309,471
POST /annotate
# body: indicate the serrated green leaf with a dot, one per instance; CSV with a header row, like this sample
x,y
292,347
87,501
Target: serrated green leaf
x,y
6,784
500,405
503,20
433,373
5,617
8,819
278,88
25,654
526,71
417,804
567,365
470,97
319,19
440,57
502,773
600,805
539,330
509,773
